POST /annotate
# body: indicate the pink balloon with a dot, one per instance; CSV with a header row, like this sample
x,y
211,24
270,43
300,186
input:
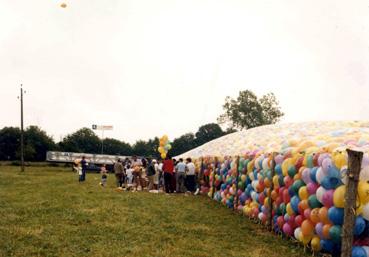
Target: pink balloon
x,y
287,229
307,213
306,176
326,164
278,159
311,188
328,198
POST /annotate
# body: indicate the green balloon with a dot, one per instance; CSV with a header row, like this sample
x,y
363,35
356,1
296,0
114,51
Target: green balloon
x,y
335,233
282,208
313,202
297,184
291,171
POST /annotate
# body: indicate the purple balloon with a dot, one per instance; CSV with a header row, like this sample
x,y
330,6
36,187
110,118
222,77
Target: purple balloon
x,y
278,159
311,188
306,176
319,229
327,162
328,198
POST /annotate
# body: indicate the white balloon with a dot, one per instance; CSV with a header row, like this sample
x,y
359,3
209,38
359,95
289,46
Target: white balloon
x,y
320,175
319,194
297,233
366,249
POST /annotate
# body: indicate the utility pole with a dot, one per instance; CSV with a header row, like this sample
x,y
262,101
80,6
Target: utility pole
x,y
22,138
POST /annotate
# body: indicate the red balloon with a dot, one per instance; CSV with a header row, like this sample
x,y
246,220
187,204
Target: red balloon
x,y
286,196
298,220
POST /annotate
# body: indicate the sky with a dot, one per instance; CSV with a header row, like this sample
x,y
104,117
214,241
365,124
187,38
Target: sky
x,y
165,67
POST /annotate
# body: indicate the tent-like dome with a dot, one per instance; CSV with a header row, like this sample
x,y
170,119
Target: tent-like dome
x,y
306,136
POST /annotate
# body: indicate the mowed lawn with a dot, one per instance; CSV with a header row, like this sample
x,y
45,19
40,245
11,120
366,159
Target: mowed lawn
x,y
46,212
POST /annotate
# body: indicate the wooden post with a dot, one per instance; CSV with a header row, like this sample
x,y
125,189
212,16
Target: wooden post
x,y
213,180
353,173
235,201
270,200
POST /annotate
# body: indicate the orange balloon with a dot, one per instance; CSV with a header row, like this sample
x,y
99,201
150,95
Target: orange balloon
x,y
267,182
307,228
304,204
323,215
314,215
274,195
326,228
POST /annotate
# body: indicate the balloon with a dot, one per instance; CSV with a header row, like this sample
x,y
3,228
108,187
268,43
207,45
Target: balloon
x,y
335,233
339,197
295,204
326,164
306,176
289,210
315,244
323,215
313,202
366,249
319,194
163,155
358,251
363,191
298,220
307,228
366,211
319,230
311,188
327,245
297,233
335,215
287,229
359,226
303,193
320,175
305,239
291,171
63,5
328,198
326,229
314,215
331,182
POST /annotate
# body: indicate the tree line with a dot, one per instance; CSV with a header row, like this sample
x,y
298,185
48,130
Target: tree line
x,y
244,112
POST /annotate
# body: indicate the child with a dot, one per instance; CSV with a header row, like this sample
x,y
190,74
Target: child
x,y
129,173
104,176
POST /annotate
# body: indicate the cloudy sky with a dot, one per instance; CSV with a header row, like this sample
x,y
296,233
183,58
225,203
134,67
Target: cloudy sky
x,y
165,66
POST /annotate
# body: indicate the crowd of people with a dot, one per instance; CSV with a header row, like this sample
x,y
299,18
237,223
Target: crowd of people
x,y
134,174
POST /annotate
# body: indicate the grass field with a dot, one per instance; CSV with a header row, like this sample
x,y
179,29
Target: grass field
x,y
46,212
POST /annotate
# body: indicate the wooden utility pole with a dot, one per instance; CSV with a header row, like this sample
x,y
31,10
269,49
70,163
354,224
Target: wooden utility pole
x,y
353,173
270,200
235,203
22,132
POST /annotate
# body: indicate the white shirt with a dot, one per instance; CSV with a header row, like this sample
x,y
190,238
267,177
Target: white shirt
x,y
160,166
191,168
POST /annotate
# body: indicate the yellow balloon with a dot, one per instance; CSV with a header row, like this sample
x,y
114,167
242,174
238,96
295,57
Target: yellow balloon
x,y
289,209
63,5
163,155
275,181
305,239
303,193
315,244
363,192
339,197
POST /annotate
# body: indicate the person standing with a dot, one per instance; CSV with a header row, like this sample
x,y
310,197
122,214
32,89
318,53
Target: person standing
x,y
137,173
84,168
119,173
180,176
161,176
190,176
168,169
150,171
104,176
156,176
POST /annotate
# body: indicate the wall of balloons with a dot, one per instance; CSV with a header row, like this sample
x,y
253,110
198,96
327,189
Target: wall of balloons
x,y
307,195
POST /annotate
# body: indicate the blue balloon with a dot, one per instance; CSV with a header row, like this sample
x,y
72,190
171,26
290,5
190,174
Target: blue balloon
x,y
359,225
295,200
313,172
291,192
327,245
331,182
335,215
278,169
333,172
223,186
358,251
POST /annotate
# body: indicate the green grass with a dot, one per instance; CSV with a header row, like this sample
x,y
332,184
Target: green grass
x,y
46,212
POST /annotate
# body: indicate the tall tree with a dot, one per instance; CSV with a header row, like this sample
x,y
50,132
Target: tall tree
x,y
83,140
37,143
9,143
183,144
247,111
208,132
115,147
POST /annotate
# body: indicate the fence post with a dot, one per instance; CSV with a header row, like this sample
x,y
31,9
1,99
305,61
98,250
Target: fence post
x,y
235,202
353,173
213,180
270,200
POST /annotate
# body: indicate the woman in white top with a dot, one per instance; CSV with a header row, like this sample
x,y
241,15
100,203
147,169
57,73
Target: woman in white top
x,y
190,175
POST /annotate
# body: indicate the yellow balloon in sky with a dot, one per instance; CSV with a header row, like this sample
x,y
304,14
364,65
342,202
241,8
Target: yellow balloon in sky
x,y
339,197
63,5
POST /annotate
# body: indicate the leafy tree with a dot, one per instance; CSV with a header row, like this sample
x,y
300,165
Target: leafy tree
x,y
183,144
37,143
140,148
82,141
115,147
247,111
208,132
9,143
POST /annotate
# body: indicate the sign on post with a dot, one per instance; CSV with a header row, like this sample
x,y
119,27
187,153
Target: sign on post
x,y
102,128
